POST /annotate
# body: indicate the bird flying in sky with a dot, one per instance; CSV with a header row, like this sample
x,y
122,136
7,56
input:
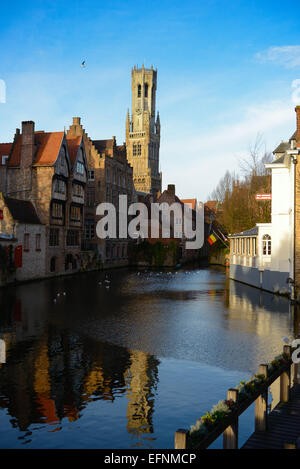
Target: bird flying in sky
x,y
83,64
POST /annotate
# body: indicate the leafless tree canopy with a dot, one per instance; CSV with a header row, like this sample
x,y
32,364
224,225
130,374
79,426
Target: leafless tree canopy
x,y
238,208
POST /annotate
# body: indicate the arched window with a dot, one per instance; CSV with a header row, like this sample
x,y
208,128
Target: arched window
x,y
139,91
146,90
266,245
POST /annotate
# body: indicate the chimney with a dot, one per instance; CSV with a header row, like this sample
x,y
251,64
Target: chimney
x,y
76,120
297,109
27,151
171,189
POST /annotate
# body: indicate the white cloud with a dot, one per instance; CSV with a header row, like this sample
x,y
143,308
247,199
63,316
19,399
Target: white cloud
x,y
195,165
288,56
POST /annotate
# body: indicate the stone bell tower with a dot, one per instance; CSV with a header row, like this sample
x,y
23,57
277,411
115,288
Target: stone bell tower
x,y
143,131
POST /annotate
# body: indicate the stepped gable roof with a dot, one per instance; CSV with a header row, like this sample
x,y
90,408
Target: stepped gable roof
x,y
22,210
102,145
47,148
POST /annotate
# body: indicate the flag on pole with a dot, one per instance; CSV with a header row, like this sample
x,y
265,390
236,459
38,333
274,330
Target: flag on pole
x,y
211,239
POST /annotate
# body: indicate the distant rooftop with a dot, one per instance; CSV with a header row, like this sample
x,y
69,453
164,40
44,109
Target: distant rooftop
x,y
251,232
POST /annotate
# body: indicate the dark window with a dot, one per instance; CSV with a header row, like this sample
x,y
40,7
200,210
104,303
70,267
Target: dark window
x,y
90,197
137,149
70,262
91,175
38,242
53,264
139,91
26,242
89,229
54,237
72,238
59,186
146,90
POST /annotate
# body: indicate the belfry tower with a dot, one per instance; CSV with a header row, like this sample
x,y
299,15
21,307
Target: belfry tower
x,y
143,131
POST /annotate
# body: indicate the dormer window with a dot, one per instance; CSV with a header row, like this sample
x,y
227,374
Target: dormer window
x,y
80,167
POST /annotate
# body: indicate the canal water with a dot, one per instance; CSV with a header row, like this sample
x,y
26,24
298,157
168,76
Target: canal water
x,y
124,364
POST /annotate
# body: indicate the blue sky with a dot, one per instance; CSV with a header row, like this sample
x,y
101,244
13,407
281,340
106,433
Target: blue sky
x,y
225,74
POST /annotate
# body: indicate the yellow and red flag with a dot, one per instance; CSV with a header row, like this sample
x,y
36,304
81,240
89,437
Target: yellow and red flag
x,y
211,239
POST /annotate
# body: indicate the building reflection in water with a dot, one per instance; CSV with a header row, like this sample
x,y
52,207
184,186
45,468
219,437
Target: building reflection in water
x,y
259,308
52,374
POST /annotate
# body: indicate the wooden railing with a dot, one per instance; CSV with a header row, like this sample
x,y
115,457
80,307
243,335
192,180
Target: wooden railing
x,y
230,424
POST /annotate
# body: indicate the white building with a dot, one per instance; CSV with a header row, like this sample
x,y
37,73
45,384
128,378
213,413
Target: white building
x,y
264,256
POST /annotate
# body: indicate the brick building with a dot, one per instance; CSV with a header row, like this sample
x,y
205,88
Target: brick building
x,y
109,175
50,170
175,221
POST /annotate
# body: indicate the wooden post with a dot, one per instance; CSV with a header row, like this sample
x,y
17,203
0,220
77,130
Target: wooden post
x,y
181,439
261,405
296,368
230,435
296,380
285,378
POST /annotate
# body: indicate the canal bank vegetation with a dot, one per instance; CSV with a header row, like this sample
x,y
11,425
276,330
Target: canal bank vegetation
x,y
156,254
223,417
238,210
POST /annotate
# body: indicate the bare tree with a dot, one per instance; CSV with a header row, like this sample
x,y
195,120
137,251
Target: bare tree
x,y
254,164
223,187
236,194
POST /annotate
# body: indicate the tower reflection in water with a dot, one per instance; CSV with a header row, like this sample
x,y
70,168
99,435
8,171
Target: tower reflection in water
x,y
51,375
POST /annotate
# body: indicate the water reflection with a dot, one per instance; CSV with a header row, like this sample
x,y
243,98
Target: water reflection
x,y
55,377
95,358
